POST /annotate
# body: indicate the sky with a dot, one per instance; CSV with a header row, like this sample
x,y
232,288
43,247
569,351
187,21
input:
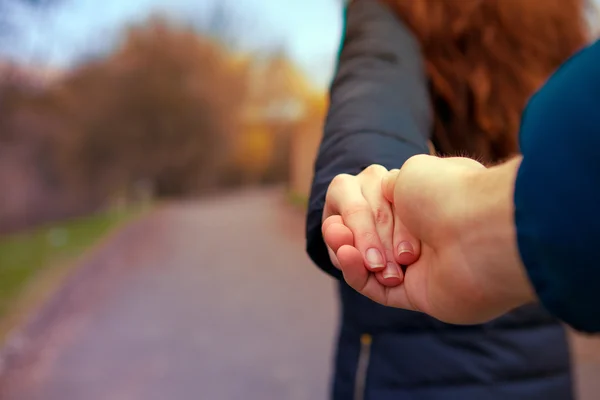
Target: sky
x,y
67,32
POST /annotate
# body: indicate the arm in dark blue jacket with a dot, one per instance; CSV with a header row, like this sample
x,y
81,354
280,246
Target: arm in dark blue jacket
x,y
557,192
379,109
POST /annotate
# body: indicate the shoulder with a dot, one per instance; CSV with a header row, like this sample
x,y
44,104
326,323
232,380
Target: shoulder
x,y
570,98
361,15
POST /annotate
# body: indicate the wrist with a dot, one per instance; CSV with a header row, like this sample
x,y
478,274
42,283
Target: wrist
x,y
490,235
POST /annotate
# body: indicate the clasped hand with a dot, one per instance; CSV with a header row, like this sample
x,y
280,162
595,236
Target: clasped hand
x,y
406,238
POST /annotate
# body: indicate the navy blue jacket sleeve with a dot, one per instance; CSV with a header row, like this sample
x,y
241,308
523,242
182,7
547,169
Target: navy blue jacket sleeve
x,y
557,192
379,109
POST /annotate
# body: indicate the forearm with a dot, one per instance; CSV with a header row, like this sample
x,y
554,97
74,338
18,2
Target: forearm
x,y
490,233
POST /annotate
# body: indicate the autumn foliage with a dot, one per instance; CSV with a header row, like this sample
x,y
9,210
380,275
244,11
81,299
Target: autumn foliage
x,y
168,108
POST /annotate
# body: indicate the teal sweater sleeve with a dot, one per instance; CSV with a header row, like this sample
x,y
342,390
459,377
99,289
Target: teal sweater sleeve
x,y
557,191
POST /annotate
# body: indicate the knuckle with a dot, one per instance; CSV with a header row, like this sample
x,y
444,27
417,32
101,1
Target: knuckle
x,y
336,187
374,170
341,180
367,236
382,215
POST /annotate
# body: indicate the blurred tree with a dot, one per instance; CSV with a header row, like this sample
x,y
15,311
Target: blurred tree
x,y
163,108
280,99
254,152
168,109
174,110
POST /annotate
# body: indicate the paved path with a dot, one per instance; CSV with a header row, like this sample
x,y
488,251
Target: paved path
x,y
210,300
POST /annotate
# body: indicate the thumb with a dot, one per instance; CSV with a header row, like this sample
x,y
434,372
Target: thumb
x,y
388,183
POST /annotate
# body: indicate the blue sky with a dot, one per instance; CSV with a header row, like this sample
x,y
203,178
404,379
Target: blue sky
x,y
308,30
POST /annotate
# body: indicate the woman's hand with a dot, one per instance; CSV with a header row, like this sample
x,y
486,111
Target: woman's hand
x,y
359,227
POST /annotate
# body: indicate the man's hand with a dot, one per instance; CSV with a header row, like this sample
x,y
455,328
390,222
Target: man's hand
x,y
359,226
469,270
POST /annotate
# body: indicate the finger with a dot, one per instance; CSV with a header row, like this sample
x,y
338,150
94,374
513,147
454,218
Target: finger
x,y
333,219
345,198
336,234
352,265
366,283
324,227
333,258
334,239
388,183
407,246
391,275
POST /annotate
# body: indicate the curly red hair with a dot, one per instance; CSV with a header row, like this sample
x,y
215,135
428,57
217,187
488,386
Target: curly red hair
x,y
484,59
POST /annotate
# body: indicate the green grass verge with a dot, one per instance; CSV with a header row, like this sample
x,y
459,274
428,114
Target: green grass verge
x,y
297,200
34,263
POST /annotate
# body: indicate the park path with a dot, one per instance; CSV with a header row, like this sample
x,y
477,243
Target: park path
x,y
202,300
209,300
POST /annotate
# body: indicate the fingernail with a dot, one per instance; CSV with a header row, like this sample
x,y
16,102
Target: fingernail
x,y
374,259
405,248
391,271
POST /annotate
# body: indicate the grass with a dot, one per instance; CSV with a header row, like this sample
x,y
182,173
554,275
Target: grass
x,y
34,263
297,199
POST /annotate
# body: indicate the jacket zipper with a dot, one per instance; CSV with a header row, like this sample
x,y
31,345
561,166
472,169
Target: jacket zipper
x,y
362,367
